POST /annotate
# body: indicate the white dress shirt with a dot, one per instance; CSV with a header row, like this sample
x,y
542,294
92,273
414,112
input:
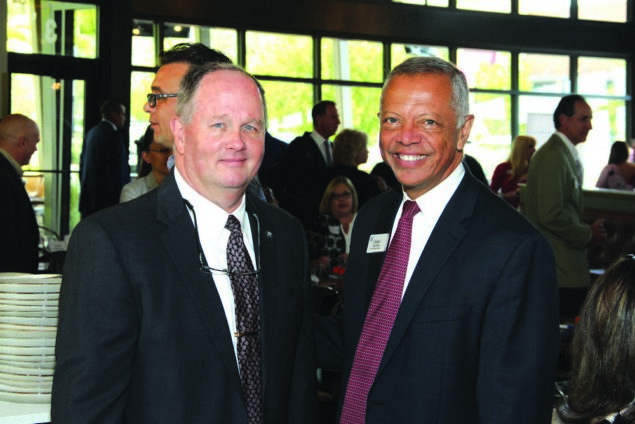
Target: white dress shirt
x,y
319,141
576,156
211,220
431,205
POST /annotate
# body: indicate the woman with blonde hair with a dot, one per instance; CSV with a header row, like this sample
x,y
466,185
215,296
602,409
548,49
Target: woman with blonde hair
x,y
508,174
350,149
330,236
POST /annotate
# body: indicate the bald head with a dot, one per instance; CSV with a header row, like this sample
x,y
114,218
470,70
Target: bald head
x,y
19,136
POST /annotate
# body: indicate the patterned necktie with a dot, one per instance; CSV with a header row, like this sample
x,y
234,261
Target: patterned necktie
x,y
245,289
327,152
379,319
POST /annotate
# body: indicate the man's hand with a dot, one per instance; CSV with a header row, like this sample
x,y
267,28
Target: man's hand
x,y
598,232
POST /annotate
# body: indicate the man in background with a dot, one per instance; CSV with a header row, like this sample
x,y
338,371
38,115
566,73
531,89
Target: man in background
x,y
450,304
158,323
298,180
553,201
174,63
103,165
19,234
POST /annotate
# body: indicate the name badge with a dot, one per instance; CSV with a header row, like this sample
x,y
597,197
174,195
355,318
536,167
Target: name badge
x,y
377,243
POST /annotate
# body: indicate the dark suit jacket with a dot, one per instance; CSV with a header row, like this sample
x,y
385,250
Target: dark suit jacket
x,y
298,179
104,168
19,234
274,152
143,337
476,336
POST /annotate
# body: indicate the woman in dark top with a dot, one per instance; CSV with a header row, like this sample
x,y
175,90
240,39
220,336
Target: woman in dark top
x,y
329,237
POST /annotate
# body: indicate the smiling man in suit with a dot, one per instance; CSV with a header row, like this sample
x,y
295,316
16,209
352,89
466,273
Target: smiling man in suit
x,y
158,323
451,305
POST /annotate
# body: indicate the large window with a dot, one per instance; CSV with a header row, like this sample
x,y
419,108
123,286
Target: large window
x,y
593,10
511,92
52,27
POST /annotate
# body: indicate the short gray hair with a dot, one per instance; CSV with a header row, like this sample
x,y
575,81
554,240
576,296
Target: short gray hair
x,y
421,65
192,81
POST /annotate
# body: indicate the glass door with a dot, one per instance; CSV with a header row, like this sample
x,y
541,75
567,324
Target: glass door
x,y
52,176
54,73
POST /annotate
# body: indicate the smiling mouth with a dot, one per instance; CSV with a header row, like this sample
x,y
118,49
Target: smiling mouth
x,y
410,158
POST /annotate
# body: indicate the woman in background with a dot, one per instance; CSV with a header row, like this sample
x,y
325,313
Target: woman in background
x,y
152,168
350,150
603,352
508,174
330,236
618,174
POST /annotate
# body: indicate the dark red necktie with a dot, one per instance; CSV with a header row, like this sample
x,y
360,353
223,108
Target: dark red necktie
x,y
380,318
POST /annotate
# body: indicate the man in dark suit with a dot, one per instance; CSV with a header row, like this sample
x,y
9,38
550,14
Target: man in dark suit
x,y
298,178
103,166
19,232
149,330
274,152
472,333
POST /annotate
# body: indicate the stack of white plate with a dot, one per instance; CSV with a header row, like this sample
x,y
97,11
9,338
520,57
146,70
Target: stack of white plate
x,y
28,324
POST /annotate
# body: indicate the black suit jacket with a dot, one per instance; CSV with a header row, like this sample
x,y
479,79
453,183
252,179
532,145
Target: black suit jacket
x,y
104,168
19,234
298,179
143,336
476,336
274,152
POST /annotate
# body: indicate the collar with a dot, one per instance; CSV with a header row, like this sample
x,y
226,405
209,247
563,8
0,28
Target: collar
x,y
569,145
114,127
12,161
317,137
206,208
433,202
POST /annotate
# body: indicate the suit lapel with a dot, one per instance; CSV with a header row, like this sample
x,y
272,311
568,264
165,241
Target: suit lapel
x,y
444,239
179,239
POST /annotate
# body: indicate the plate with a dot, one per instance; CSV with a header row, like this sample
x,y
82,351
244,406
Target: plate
x,y
11,297
27,331
46,362
19,276
33,342
32,383
41,313
26,351
29,288
36,390
24,398
32,321
15,371
28,306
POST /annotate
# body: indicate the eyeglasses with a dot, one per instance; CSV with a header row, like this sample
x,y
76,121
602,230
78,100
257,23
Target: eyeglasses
x,y
203,261
153,97
164,151
344,195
